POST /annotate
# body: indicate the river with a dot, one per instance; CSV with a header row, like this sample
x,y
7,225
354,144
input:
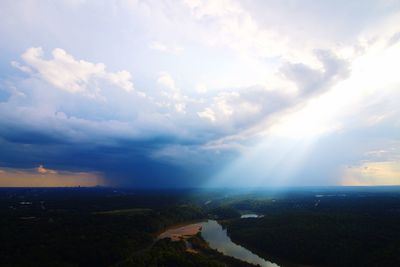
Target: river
x,y
218,239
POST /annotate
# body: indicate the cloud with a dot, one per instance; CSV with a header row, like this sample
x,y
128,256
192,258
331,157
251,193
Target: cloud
x,y
41,177
64,72
208,114
244,107
310,80
251,73
394,39
372,173
166,80
173,94
229,24
201,88
22,68
117,122
165,48
43,170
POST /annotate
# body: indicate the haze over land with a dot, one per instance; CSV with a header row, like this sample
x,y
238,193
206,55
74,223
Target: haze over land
x,y
199,93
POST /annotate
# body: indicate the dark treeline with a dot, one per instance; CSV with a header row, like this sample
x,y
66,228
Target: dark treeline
x,y
117,227
168,253
68,227
352,229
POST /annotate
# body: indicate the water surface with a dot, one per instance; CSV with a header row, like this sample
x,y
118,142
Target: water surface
x,y
251,215
218,239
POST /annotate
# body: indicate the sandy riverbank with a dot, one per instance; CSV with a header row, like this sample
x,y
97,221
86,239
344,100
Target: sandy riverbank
x,y
182,232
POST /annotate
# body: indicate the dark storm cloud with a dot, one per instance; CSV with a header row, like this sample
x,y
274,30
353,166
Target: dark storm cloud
x,y
122,162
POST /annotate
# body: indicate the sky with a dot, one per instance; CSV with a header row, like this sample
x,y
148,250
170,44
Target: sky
x,y
191,93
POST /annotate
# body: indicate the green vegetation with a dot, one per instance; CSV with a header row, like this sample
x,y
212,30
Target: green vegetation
x,y
124,212
346,231
52,230
225,212
171,254
110,227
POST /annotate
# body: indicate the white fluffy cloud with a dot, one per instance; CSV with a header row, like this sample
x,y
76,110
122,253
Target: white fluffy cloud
x,y
166,80
229,24
65,72
172,93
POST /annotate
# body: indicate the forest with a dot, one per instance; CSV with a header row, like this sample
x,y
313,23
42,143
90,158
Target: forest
x,y
119,227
